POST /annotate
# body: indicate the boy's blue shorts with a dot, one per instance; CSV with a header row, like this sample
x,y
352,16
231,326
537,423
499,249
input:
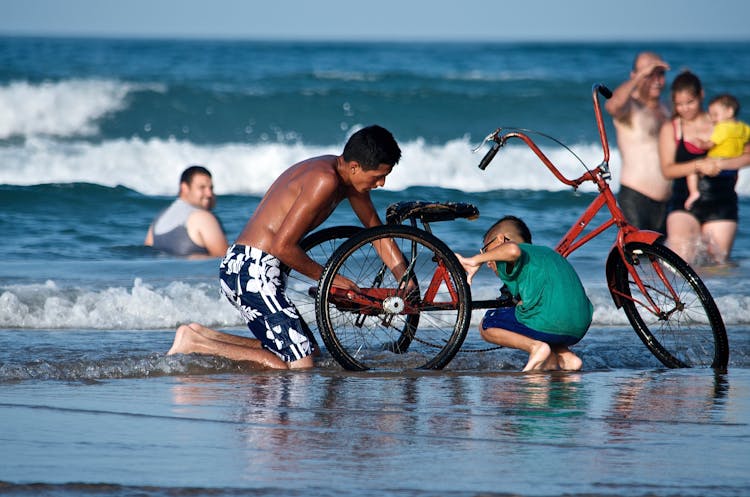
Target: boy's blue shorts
x,y
505,318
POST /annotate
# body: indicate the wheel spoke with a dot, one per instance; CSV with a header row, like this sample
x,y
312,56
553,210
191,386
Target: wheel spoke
x,y
671,309
378,327
301,290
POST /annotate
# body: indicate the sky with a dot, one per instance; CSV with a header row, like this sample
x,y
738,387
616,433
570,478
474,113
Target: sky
x,y
446,20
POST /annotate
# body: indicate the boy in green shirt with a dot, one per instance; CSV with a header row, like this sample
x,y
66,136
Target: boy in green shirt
x,y
553,311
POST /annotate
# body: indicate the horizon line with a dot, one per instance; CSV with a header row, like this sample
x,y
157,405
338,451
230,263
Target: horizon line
x,y
365,39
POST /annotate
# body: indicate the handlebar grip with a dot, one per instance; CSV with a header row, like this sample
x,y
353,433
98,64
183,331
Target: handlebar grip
x,y
606,92
489,156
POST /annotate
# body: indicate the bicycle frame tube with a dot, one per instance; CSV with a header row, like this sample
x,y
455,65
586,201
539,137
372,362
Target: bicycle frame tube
x,y
573,239
440,276
369,301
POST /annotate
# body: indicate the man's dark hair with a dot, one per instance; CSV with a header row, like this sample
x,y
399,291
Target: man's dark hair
x,y
372,146
187,174
520,226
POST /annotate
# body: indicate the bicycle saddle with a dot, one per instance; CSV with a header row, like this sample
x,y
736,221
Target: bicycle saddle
x,y
428,212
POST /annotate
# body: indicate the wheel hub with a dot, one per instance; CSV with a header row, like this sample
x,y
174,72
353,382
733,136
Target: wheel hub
x,y
393,305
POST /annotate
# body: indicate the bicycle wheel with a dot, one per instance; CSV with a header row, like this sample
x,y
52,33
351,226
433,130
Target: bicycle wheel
x,y
672,312
319,245
375,328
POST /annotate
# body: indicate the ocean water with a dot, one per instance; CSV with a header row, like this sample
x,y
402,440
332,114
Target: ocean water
x,y
93,137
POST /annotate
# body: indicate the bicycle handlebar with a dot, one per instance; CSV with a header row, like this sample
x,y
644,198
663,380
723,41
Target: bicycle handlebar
x,y
499,138
489,156
606,92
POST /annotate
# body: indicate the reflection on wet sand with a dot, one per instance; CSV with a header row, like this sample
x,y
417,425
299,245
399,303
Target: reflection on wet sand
x,y
628,427
666,397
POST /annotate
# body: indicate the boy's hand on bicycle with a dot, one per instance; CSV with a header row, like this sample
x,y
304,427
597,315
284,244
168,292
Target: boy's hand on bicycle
x,y
469,265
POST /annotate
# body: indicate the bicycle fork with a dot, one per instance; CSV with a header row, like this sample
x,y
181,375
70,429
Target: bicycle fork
x,y
651,305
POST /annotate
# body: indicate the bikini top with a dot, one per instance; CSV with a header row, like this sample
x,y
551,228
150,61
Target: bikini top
x,y
685,150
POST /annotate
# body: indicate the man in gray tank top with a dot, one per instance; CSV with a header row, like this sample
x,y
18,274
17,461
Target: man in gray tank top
x,y
187,226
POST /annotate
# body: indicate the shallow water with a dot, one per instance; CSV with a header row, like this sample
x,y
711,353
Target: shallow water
x,y
328,432
107,413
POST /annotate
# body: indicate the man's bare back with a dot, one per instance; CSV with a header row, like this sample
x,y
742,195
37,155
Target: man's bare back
x,y
296,203
301,199
280,198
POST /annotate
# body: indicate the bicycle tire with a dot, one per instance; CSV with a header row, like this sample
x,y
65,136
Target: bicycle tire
x,y
319,245
688,331
379,335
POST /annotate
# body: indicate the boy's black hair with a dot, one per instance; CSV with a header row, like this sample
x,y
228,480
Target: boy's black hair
x,y
372,146
517,222
187,174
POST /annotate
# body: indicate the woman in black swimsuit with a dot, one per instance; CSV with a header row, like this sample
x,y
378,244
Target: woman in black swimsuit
x,y
713,217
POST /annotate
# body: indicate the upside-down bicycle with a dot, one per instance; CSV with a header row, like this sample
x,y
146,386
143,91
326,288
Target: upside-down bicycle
x,y
420,320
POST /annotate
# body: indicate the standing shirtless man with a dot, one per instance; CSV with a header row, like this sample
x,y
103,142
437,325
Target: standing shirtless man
x,y
251,273
638,114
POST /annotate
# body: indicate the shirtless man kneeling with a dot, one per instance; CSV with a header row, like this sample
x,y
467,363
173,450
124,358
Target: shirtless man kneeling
x,y
295,204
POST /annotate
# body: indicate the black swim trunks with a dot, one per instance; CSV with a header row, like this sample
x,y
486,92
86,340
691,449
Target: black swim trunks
x,y
255,284
641,211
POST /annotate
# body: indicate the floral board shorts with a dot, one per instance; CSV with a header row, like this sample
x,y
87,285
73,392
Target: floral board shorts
x,y
255,284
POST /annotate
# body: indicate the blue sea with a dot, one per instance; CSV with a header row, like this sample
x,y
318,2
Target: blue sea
x,y
93,136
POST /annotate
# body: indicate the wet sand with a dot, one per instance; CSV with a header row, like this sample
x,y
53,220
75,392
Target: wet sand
x,y
330,432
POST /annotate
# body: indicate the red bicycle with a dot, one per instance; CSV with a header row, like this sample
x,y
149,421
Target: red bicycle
x,y
420,320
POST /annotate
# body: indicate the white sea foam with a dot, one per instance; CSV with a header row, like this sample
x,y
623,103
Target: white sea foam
x,y
140,307
64,109
153,166
47,115
145,306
